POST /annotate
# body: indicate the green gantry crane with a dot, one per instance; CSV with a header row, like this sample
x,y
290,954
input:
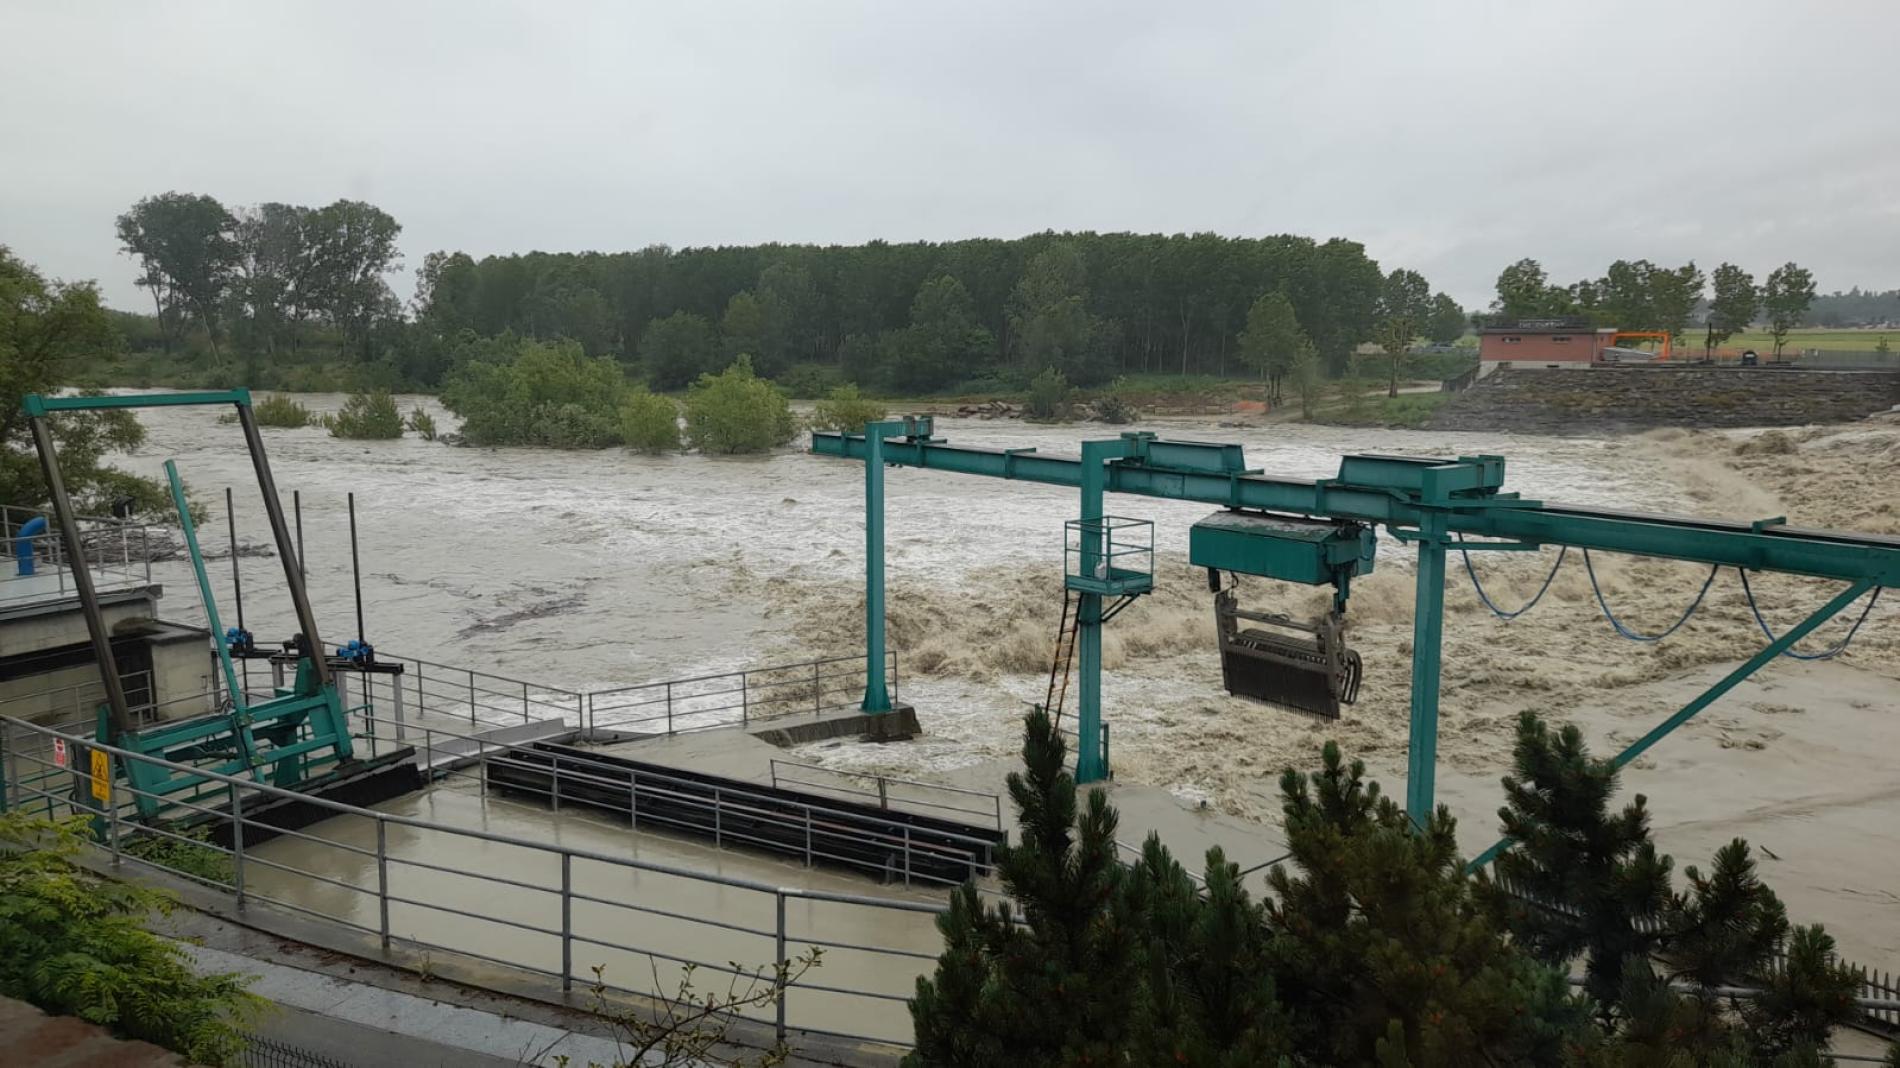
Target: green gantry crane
x,y
1321,531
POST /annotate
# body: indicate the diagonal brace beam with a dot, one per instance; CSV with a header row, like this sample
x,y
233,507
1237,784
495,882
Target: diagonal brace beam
x,y
1709,696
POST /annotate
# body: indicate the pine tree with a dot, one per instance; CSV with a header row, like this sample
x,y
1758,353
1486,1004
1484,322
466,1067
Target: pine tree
x,y
1383,953
1803,1002
1728,924
1578,880
1053,986
1209,996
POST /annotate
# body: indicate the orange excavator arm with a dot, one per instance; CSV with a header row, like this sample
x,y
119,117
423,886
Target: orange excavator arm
x,y
1644,335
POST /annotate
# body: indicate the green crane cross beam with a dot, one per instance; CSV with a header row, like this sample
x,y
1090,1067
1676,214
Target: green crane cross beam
x,y
1435,504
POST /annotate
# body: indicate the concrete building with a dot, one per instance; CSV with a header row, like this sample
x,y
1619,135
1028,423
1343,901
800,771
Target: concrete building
x,y
47,670
1542,343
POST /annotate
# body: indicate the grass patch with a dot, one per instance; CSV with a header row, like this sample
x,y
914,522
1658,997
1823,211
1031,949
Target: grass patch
x,y
1409,411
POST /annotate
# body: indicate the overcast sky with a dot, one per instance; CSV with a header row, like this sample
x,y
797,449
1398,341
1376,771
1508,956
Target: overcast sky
x,y
1451,138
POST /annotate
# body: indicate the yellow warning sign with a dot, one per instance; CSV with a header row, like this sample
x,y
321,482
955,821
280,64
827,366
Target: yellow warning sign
x,y
101,775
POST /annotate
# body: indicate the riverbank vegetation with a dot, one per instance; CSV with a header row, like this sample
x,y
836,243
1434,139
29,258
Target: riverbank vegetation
x,y
277,410
1371,944
735,411
367,417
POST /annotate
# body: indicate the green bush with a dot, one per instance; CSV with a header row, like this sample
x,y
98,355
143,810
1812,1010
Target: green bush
x,y
422,423
1048,395
536,393
736,411
649,423
846,411
196,857
76,944
1113,406
367,417
280,411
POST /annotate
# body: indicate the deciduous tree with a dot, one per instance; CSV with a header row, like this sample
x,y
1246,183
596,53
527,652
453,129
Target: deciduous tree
x,y
1732,307
1404,305
1785,298
1272,340
188,254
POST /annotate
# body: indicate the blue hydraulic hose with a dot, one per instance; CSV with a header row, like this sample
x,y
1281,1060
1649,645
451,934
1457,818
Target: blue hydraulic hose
x,y
1630,634
1825,654
1528,605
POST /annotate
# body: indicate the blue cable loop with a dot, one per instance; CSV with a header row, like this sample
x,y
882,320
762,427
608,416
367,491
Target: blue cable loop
x,y
1528,605
1825,654
1630,634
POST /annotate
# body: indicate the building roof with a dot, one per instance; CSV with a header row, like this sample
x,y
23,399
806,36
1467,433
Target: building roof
x,y
1562,324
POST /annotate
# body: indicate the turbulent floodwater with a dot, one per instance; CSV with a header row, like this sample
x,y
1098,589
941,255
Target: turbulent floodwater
x,y
592,569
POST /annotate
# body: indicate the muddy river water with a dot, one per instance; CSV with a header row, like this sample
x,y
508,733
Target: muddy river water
x,y
596,569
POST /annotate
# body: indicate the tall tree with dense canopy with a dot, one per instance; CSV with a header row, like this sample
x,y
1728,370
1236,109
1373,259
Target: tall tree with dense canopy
x,y
944,342
678,349
351,245
1272,340
1785,297
48,330
1049,320
188,253
1447,322
1405,303
1732,307
1525,292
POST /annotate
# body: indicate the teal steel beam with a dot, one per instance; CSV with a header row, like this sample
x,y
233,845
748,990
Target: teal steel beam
x,y
1825,554
38,404
1091,763
190,531
1709,696
877,696
1428,627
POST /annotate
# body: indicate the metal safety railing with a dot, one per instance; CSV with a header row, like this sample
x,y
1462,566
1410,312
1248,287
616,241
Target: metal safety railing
x,y
118,555
534,905
735,815
734,698
888,791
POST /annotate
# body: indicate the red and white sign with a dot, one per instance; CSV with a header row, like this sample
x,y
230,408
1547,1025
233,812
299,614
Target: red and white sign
x,y
59,752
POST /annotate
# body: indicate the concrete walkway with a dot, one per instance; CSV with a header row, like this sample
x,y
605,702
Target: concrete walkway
x,y
361,1023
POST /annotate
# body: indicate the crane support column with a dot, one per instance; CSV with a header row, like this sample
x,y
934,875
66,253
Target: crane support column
x,y
1090,765
877,696
1428,627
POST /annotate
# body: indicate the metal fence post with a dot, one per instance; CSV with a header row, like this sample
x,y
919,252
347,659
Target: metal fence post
x,y
421,705
717,842
567,921
745,704
428,754
382,875
633,800
883,795
807,836
237,839
785,991
554,784
112,820
817,691
907,854
471,698
524,701
395,701
669,708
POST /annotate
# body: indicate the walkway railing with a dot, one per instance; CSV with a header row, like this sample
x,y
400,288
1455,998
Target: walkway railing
x,y
726,811
734,698
534,905
118,554
888,791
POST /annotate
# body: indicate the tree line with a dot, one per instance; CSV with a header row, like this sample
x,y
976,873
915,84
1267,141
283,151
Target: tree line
x,y
913,316
263,275
1640,295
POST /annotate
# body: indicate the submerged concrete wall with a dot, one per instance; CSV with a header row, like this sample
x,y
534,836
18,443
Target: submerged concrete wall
x,y
1611,398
